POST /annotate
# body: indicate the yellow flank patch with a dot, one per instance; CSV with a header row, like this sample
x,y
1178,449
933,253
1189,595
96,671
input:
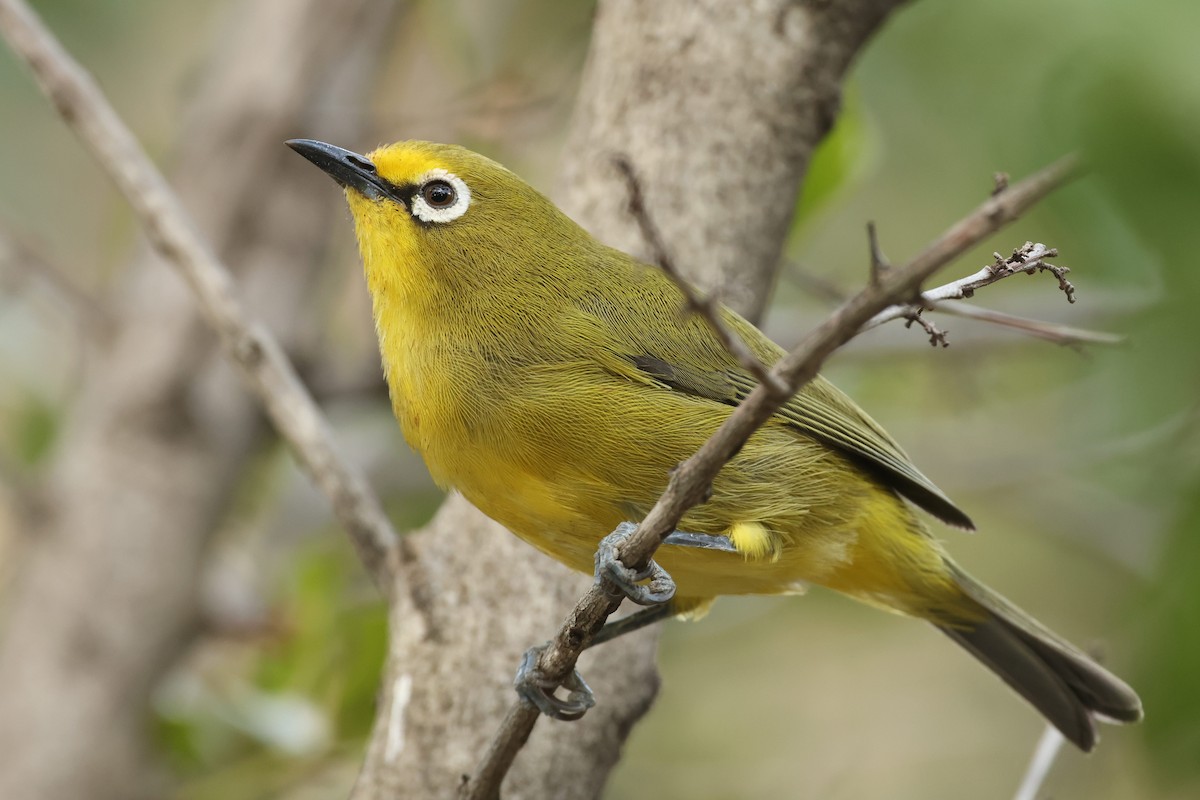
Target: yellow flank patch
x,y
754,541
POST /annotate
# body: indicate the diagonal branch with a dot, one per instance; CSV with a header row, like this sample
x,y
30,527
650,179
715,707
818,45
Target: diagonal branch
x,y
259,358
692,480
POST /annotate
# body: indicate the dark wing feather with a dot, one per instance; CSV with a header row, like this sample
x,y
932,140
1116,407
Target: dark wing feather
x,y
817,411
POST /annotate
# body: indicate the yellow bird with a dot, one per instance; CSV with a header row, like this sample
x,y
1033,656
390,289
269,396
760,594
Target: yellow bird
x,y
554,382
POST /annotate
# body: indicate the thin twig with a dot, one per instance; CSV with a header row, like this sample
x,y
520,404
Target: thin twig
x,y
1029,258
879,262
1066,335
1048,748
264,367
1050,331
692,480
936,335
706,307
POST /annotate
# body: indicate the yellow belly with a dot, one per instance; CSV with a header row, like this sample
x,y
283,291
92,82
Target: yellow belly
x,y
877,553
563,465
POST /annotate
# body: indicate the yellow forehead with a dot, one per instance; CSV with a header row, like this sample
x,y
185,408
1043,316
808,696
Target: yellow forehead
x,y
405,163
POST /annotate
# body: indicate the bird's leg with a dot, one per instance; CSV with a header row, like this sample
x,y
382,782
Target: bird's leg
x,y
704,541
538,690
636,621
660,588
661,611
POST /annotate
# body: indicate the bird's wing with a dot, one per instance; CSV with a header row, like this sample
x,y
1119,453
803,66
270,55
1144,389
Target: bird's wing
x,y
682,354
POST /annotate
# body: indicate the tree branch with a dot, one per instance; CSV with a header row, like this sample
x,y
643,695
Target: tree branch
x,y
262,363
879,262
1050,331
1066,335
691,481
1029,258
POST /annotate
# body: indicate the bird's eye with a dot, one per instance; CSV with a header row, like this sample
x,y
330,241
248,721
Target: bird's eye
x,y
439,194
441,197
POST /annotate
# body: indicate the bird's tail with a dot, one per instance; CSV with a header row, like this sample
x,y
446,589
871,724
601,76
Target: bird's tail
x,y
1068,688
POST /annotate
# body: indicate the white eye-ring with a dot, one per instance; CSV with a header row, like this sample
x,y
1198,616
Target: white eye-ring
x,y
441,196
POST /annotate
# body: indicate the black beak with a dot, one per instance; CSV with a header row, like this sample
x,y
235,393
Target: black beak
x,y
346,167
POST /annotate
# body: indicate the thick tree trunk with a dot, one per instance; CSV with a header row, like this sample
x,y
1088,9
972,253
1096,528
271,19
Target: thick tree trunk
x,y
719,104
107,595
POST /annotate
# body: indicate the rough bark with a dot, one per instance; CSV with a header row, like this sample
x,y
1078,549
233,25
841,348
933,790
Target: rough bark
x,y
107,594
719,105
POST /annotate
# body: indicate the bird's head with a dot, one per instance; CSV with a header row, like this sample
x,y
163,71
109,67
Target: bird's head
x,y
432,217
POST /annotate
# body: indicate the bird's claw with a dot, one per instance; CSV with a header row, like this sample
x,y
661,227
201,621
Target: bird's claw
x,y
660,588
538,690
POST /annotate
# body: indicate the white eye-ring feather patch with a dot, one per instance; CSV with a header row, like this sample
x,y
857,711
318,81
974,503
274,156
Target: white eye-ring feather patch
x,y
427,213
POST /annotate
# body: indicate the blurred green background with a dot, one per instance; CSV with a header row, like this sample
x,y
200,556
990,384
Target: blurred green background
x,y
1081,468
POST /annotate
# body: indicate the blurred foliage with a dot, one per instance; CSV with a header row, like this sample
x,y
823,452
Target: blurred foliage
x,y
35,424
1169,659
1083,471
846,154
255,716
